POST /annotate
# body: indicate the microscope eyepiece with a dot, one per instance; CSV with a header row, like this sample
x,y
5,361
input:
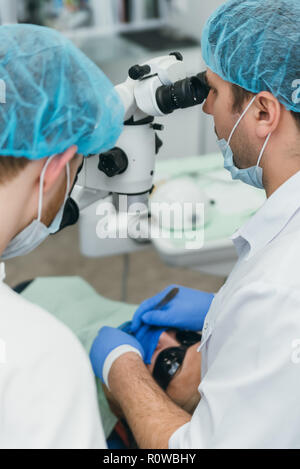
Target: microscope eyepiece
x,y
183,94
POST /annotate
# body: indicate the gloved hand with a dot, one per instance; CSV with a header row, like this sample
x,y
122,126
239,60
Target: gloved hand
x,y
186,311
109,345
147,336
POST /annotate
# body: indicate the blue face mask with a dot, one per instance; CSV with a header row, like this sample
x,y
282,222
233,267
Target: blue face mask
x,y
35,233
253,175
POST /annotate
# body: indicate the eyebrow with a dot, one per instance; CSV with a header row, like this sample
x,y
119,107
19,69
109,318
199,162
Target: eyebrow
x,y
210,84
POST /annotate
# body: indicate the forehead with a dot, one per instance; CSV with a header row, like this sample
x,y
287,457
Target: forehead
x,y
214,79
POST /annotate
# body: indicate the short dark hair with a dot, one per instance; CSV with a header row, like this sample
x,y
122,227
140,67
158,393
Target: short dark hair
x,y
10,167
240,95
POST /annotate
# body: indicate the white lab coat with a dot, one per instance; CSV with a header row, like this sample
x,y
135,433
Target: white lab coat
x,y
251,344
47,389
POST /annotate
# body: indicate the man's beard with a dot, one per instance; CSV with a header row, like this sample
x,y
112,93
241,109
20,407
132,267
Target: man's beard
x,y
244,155
54,206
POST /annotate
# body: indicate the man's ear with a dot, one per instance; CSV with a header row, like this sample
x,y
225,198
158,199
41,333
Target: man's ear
x,y
57,166
267,113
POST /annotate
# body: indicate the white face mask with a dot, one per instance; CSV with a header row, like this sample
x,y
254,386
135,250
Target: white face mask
x,y
253,175
34,234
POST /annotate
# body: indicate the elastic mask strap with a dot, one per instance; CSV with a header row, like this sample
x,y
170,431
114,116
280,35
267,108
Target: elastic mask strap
x,y
68,181
239,120
263,148
42,184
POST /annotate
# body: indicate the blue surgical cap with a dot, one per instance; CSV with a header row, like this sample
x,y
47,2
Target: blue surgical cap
x,y
53,96
256,44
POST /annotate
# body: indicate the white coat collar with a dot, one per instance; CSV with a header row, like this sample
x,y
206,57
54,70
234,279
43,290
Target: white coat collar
x,y
2,272
270,220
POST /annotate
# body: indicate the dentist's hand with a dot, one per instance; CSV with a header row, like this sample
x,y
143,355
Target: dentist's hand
x,y
187,310
108,346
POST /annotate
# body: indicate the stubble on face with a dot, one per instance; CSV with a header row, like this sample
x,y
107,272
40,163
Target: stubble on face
x,y
245,154
54,205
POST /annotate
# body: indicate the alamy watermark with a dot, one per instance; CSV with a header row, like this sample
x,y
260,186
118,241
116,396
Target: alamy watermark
x,y
3,355
296,93
168,221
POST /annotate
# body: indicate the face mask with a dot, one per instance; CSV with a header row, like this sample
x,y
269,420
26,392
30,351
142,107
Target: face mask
x,y
253,175
71,211
71,214
34,234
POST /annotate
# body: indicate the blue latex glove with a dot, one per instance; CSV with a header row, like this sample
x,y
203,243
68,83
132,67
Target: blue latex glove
x,y
186,311
148,337
107,341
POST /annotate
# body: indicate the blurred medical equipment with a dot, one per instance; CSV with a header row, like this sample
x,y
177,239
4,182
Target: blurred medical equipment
x,y
181,190
232,203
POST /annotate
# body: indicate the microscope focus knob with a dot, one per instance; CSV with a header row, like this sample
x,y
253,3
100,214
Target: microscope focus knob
x,y
178,56
137,71
158,127
113,162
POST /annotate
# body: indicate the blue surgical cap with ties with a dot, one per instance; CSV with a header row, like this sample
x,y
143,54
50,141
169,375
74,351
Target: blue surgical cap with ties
x,y
53,96
256,44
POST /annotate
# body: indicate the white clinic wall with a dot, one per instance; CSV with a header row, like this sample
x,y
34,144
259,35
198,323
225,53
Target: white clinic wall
x,y
188,132
8,11
191,15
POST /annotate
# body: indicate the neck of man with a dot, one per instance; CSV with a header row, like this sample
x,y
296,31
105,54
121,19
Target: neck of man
x,y
275,181
280,163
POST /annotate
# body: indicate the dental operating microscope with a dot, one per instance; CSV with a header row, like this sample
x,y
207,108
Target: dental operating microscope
x,y
123,176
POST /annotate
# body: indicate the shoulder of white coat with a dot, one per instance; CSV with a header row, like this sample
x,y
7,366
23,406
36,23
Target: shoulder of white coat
x,y
47,379
280,263
28,328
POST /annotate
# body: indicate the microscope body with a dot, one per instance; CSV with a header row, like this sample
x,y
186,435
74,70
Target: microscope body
x,y
129,167
126,172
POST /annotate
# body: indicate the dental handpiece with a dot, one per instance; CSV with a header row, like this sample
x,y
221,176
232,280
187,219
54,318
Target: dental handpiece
x,y
169,297
126,327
